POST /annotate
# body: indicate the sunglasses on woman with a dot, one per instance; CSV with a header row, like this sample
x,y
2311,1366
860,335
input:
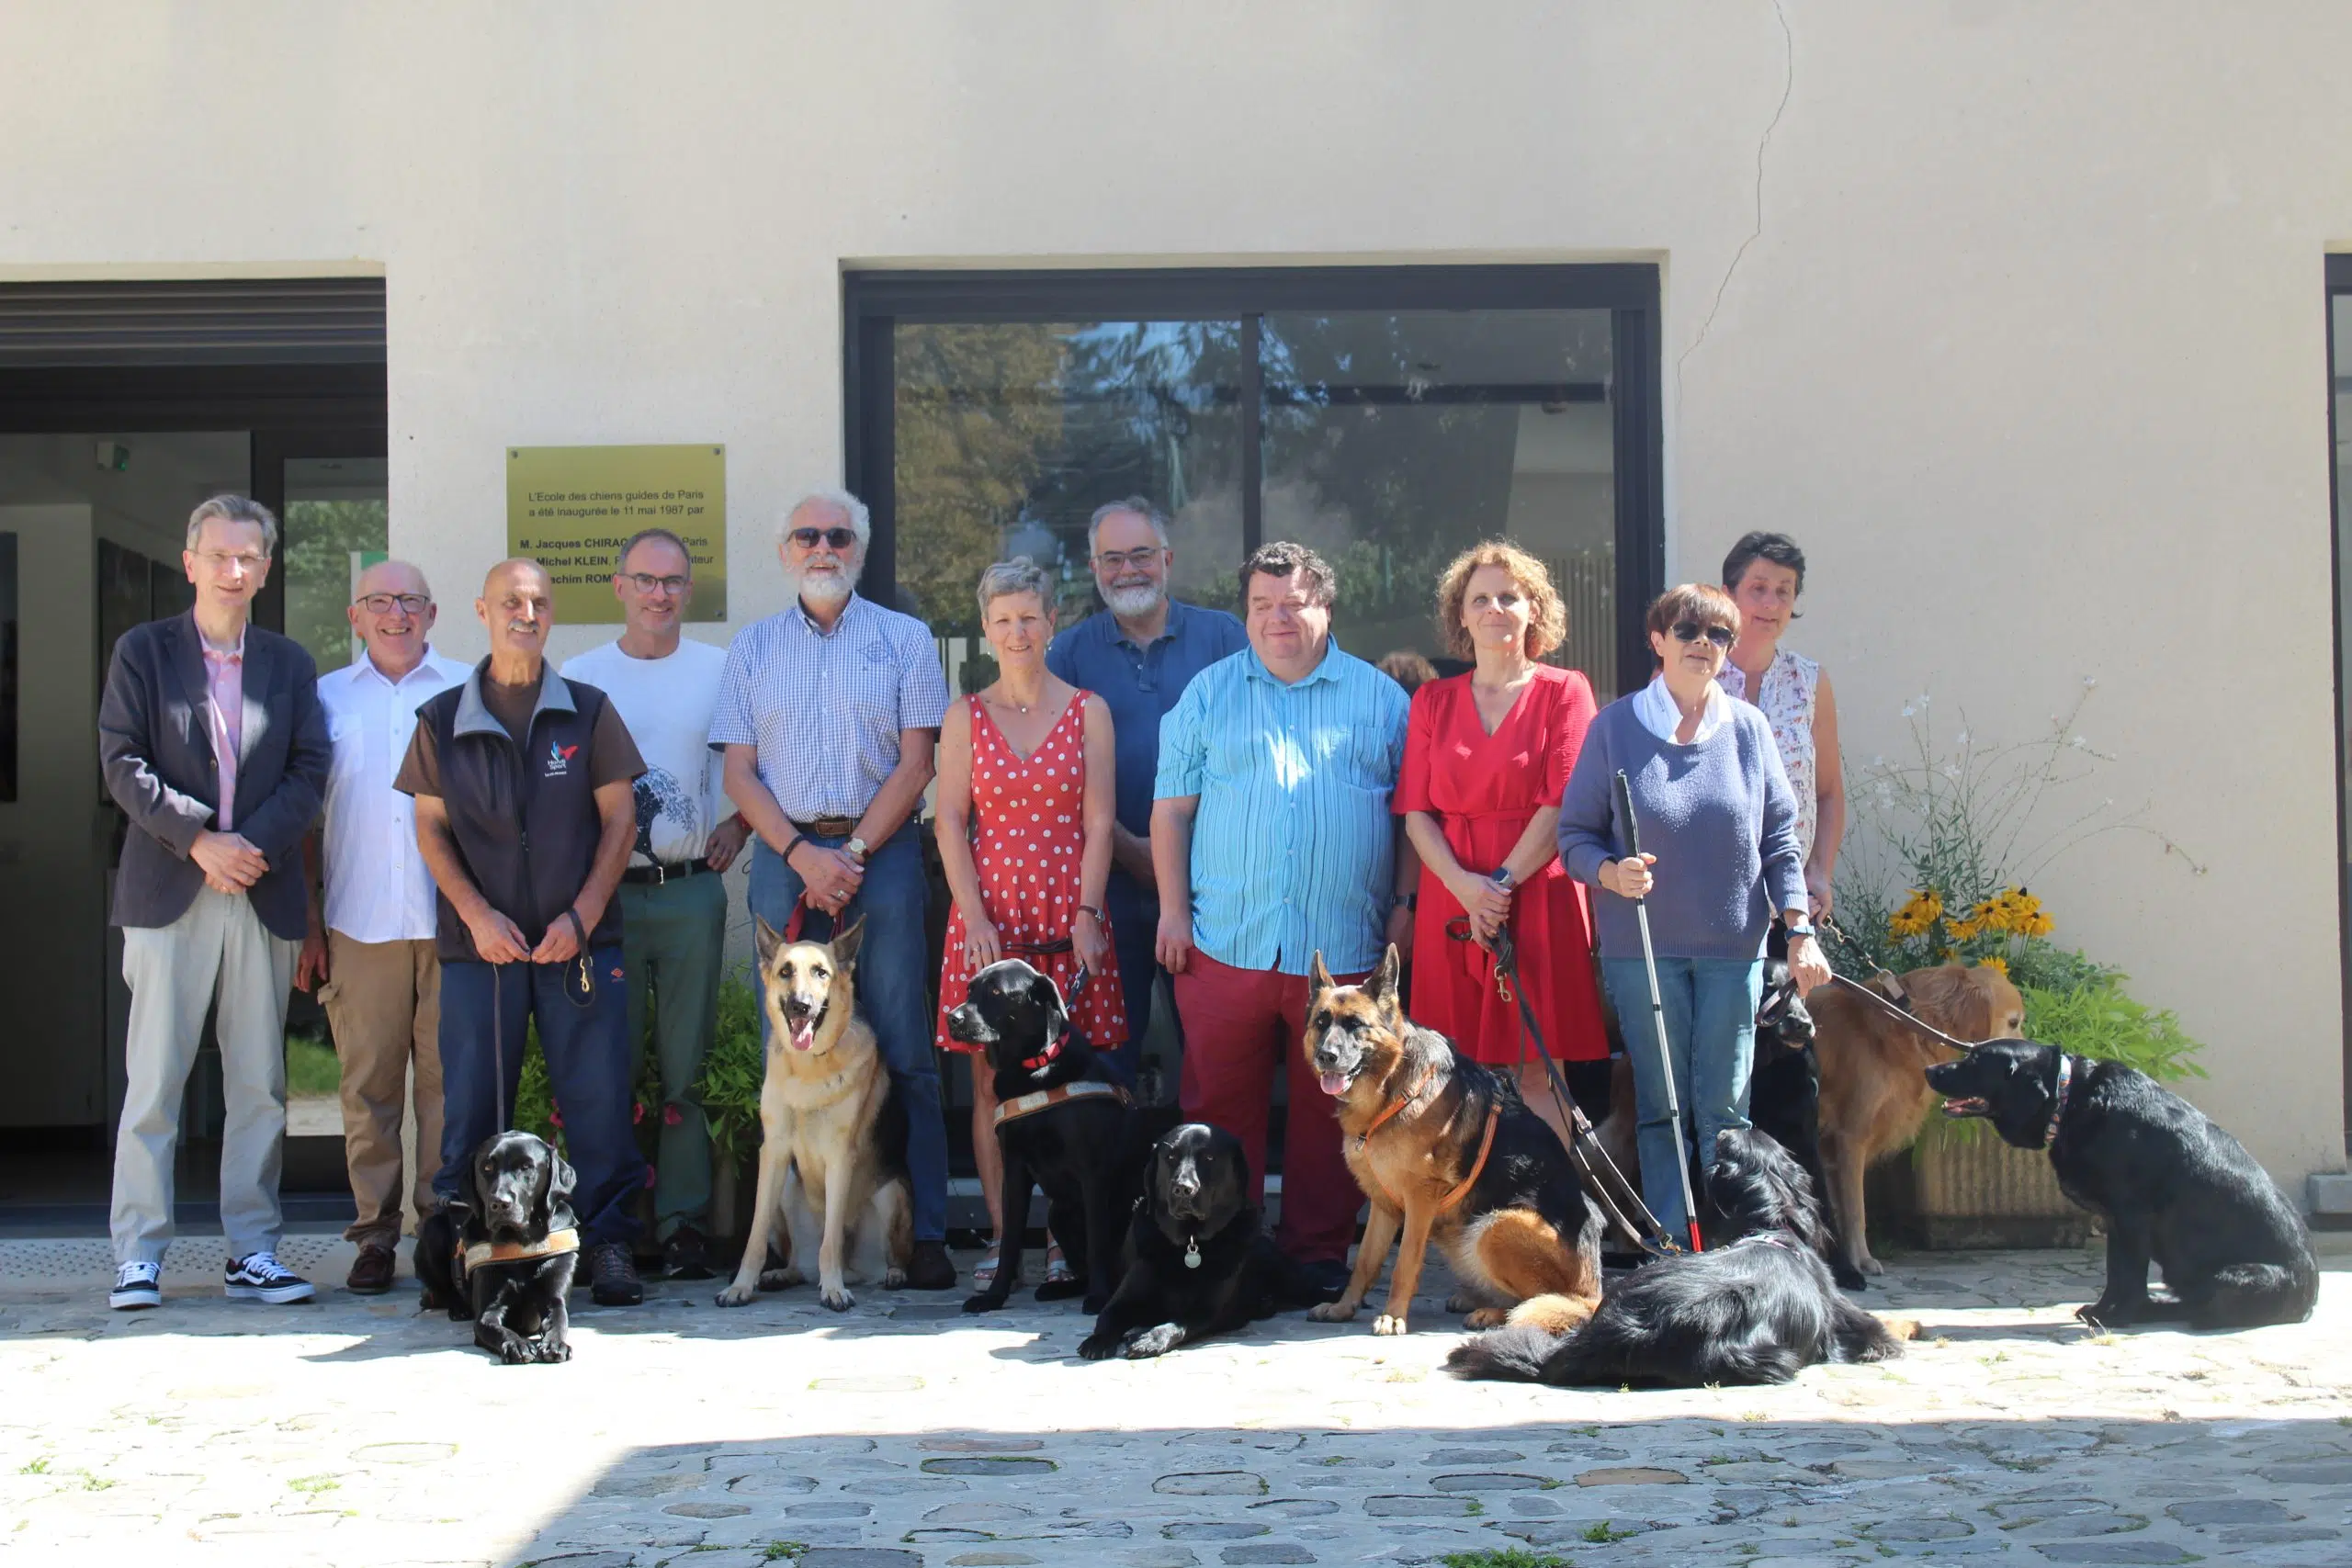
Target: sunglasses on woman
x,y
838,538
1692,631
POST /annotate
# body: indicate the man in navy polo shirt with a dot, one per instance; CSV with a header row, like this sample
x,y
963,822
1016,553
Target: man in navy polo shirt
x,y
1138,655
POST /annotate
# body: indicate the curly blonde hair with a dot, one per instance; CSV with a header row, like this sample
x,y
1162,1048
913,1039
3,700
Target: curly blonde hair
x,y
1547,617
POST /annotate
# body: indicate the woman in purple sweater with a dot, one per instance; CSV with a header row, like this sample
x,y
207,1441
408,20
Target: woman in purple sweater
x,y
1719,860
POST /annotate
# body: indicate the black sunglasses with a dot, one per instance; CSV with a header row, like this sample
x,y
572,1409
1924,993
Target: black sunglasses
x,y
1692,631
840,538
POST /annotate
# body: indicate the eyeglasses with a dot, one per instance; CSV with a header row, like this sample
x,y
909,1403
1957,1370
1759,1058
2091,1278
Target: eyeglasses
x,y
672,585
1126,560
838,538
385,603
221,560
1692,631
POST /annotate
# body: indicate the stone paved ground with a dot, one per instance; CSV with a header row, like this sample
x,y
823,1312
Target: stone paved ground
x,y
903,1434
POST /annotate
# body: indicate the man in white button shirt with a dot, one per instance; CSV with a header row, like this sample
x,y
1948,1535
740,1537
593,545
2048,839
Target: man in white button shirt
x,y
674,904
371,943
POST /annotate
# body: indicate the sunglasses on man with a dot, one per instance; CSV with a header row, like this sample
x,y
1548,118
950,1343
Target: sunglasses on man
x,y
838,538
1692,631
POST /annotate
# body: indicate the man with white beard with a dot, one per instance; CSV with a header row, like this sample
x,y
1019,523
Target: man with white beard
x,y
1138,655
829,713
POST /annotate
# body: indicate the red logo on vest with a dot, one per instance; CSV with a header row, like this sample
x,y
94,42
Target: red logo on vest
x,y
560,758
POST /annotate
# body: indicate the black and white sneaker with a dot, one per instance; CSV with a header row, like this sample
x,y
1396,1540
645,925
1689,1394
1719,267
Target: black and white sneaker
x,y
258,1277
137,1285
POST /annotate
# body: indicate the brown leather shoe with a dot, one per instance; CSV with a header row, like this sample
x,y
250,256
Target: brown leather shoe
x,y
930,1269
371,1273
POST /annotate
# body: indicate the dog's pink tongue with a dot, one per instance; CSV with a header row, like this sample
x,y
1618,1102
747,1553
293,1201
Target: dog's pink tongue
x,y
805,1036
1334,1084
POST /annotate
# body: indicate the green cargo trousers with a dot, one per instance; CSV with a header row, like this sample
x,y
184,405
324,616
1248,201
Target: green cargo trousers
x,y
673,940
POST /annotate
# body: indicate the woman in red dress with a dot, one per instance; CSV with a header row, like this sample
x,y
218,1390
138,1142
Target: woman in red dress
x,y
1487,759
1025,807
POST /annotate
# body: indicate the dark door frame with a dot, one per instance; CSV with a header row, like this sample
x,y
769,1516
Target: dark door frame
x,y
874,302
2339,287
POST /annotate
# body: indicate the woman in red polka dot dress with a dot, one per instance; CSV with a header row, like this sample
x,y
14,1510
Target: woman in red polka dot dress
x,y
1025,806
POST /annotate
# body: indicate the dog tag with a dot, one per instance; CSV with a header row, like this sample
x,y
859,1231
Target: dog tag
x,y
1192,1252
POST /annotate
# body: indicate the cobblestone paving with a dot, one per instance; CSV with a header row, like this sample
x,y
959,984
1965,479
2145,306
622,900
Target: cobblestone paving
x,y
903,1434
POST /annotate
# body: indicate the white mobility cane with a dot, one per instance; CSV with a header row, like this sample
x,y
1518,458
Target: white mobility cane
x,y
1657,1014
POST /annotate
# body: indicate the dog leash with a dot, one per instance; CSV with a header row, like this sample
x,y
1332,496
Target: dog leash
x,y
1619,1202
1894,1010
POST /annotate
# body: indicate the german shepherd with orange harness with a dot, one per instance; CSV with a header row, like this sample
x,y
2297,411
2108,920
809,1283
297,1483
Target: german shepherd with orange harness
x,y
1448,1152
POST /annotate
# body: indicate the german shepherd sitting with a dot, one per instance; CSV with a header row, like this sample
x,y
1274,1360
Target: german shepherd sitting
x,y
833,1150
1447,1152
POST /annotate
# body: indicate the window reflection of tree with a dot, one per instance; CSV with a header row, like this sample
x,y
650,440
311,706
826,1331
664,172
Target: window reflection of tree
x,y
320,537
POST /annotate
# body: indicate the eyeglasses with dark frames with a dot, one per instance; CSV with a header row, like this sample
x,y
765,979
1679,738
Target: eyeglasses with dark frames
x,y
809,538
385,603
647,582
1126,560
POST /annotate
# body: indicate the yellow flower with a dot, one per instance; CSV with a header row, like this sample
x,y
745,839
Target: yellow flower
x,y
1966,931
1998,966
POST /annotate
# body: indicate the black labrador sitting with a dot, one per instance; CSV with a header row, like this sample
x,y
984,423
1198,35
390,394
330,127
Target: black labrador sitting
x,y
2173,1188
518,1198
1198,1260
1784,1084
1064,1123
1760,1310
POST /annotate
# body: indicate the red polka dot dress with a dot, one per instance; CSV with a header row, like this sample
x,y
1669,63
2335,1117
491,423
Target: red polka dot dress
x,y
1029,837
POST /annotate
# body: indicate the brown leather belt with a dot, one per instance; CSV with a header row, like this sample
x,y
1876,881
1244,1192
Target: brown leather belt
x,y
828,826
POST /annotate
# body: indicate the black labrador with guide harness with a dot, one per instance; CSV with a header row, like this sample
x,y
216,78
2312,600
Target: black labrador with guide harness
x,y
1063,1123
503,1255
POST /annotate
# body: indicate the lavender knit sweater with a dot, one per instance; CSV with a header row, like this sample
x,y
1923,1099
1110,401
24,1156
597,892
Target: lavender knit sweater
x,y
1718,815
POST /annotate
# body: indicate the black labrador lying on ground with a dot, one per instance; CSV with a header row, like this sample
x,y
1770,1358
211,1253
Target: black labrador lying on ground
x,y
2173,1187
1198,1261
1063,1123
1759,1310
1784,1085
503,1254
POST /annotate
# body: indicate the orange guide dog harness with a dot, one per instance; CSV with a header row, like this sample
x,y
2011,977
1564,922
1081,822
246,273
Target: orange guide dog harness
x,y
1485,1144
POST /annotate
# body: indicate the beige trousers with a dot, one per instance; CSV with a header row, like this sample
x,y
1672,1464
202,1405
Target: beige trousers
x,y
173,971
383,1001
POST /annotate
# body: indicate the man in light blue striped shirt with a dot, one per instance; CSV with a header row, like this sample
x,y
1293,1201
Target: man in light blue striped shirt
x,y
1271,841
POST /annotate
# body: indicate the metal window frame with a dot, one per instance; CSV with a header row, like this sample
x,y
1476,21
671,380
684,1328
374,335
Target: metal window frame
x,y
2339,287
873,302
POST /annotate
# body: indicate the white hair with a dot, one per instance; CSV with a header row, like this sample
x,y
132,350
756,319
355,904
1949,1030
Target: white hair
x,y
1019,575
840,501
1135,504
234,508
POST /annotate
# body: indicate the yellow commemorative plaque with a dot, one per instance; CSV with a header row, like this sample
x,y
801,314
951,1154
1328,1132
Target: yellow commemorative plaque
x,y
572,508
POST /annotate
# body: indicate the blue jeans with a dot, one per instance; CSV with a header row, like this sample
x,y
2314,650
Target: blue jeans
x,y
893,958
588,1069
1710,1006
1134,928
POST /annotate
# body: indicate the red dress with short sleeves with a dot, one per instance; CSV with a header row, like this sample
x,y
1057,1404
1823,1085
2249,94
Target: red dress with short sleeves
x,y
1029,837
1483,788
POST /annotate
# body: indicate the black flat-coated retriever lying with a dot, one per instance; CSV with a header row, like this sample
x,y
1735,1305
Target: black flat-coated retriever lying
x,y
1197,1261
518,1197
1759,1310
2174,1189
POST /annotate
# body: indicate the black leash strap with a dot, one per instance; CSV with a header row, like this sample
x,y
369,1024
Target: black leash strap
x,y
1621,1205
1894,1010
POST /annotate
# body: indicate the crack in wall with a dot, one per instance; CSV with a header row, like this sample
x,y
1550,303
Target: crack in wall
x,y
1788,86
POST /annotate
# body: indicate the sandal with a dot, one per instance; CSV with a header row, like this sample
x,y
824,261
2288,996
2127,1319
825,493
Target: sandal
x,y
984,1271
1058,1270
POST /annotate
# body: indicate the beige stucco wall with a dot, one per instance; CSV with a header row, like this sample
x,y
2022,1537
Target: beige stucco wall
x,y
2027,350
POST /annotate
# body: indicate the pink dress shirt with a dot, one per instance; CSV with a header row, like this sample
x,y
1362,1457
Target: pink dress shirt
x,y
224,674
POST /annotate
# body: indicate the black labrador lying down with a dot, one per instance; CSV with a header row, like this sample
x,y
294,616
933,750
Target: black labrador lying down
x,y
1198,1261
503,1254
1063,1123
1760,1310
2173,1187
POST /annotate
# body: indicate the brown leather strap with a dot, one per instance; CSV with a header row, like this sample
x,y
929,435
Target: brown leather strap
x,y
1389,1110
1486,1147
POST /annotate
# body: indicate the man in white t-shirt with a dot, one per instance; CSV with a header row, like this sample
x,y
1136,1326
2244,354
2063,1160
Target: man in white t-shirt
x,y
369,948
674,903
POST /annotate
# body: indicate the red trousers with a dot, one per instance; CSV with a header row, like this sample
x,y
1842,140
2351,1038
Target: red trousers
x,y
1241,1026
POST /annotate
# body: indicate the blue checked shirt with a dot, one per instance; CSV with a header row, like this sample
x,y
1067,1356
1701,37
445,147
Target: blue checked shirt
x,y
1293,847
825,709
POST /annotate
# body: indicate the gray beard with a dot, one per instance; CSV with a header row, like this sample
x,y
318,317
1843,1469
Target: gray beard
x,y
832,589
1132,601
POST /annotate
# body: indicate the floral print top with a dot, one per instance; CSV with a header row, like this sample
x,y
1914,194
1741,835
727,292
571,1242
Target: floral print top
x,y
1789,684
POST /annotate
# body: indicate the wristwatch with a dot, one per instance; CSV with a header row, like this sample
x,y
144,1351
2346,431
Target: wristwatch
x,y
856,847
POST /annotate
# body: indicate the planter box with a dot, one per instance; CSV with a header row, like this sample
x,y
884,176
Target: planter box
x,y
1973,1193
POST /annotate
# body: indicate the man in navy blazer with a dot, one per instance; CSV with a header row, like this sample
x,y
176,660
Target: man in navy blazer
x,y
198,710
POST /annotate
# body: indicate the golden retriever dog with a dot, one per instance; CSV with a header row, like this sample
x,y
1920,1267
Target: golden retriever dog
x,y
1448,1152
833,1154
1874,1091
